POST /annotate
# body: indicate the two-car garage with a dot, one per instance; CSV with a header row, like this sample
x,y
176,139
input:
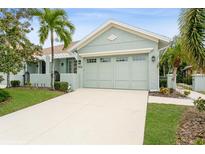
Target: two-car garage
x,y
118,72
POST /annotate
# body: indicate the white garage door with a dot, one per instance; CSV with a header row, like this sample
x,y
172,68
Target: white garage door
x,y
120,72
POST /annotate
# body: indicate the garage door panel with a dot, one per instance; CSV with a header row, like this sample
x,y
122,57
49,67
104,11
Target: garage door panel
x,y
120,72
139,73
105,84
90,84
105,71
139,84
122,85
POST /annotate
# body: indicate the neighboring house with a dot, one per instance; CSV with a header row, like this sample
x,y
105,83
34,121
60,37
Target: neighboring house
x,y
115,55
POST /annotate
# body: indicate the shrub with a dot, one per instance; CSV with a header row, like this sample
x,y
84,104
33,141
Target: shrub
x,y
28,84
4,95
1,78
165,91
163,83
15,83
187,80
200,104
62,86
186,92
200,141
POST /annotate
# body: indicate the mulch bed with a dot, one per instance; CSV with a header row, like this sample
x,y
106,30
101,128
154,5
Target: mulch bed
x,y
175,94
191,128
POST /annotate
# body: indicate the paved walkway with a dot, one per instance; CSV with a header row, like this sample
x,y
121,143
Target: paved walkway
x,y
169,100
86,116
193,94
182,101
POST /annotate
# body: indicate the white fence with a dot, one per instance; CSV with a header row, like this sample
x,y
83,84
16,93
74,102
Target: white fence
x,y
12,77
198,82
40,80
43,80
71,78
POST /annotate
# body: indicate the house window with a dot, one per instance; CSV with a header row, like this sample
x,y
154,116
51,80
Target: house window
x,y
72,66
138,58
105,60
121,59
91,60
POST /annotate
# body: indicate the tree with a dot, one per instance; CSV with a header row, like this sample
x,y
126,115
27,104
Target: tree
x,y
15,48
1,78
54,21
192,31
174,56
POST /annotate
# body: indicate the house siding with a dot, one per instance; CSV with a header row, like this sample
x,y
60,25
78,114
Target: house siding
x,y
125,41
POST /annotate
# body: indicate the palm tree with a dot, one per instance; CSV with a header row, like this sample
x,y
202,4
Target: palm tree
x,y
174,56
54,21
192,31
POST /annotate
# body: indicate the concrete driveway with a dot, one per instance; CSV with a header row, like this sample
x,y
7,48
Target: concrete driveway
x,y
86,116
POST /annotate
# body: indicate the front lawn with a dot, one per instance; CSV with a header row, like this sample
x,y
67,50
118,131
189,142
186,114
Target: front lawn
x,y
25,97
161,123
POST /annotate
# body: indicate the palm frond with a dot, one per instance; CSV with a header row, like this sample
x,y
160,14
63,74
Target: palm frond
x,y
192,31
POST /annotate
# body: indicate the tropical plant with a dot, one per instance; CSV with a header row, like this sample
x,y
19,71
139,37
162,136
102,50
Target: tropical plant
x,y
174,56
192,31
15,48
1,78
200,104
54,21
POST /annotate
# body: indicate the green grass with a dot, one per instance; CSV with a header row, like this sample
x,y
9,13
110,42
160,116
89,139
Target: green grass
x,y
161,123
25,97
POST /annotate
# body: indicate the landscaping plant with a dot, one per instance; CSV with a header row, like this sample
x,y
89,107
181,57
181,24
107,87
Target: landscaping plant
x,y
15,83
165,91
1,78
200,104
200,141
163,82
186,92
61,86
4,95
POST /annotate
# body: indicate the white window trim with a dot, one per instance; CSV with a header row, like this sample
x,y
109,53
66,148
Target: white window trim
x,y
117,52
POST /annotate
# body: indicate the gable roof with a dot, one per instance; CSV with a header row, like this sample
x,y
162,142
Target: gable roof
x,y
129,28
58,49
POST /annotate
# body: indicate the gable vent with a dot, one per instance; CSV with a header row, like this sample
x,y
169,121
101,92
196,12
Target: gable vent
x,y
112,37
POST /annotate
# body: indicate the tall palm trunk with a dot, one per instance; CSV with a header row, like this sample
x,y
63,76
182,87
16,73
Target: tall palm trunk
x,y
8,80
174,76
52,61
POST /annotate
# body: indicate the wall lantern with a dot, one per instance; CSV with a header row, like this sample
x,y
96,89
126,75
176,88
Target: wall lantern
x,y
153,58
79,62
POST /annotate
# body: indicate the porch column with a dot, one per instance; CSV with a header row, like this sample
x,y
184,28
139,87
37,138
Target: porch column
x,y
47,64
39,65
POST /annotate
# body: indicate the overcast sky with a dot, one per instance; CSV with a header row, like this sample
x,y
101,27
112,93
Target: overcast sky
x,y
161,21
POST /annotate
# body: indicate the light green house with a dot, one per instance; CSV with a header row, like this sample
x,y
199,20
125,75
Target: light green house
x,y
115,55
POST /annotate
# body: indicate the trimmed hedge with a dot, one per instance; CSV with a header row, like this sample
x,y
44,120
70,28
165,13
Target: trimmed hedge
x,y
15,83
4,95
61,86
